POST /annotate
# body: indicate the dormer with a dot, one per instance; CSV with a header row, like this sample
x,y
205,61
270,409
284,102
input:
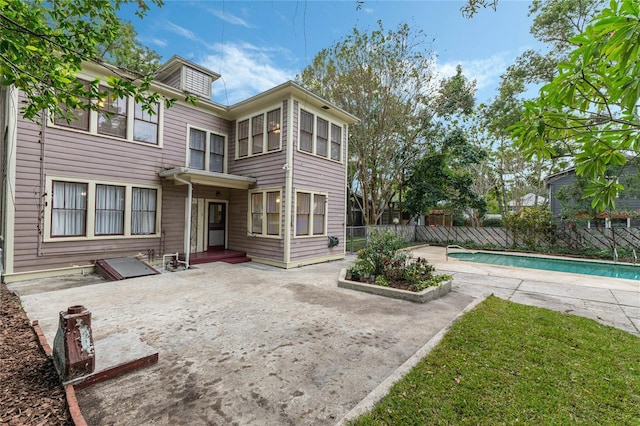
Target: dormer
x,y
187,76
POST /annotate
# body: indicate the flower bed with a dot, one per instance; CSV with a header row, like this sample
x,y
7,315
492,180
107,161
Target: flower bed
x,y
383,265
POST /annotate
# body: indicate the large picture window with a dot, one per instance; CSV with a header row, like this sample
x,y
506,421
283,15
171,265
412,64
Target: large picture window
x,y
311,214
109,210
206,150
265,213
69,209
260,134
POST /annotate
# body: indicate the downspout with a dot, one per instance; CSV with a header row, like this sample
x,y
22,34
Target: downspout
x,y
187,222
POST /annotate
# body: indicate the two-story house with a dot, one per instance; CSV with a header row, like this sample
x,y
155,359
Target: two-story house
x,y
266,176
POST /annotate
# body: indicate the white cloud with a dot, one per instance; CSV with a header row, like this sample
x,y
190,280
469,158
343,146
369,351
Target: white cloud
x,y
246,70
229,18
156,42
181,31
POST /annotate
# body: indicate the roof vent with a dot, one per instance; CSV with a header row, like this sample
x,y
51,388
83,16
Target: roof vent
x,y
197,82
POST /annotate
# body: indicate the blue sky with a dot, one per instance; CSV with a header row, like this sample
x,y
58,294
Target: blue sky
x,y
256,45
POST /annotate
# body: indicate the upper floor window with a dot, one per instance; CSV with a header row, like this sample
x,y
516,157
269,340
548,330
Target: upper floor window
x,y
145,124
310,214
259,134
121,118
69,209
336,142
78,117
206,150
319,136
265,213
112,115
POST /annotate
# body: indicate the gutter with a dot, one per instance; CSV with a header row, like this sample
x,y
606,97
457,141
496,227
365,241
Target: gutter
x,y
187,221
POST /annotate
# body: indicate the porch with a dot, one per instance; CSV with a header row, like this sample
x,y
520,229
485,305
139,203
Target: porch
x,y
227,256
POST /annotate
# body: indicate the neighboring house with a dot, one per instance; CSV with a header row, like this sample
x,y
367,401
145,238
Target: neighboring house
x,y
266,176
527,200
624,205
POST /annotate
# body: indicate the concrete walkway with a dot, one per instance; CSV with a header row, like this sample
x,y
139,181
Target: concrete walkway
x,y
253,345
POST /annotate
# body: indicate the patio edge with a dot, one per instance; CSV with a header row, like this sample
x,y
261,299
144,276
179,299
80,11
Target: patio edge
x,y
382,389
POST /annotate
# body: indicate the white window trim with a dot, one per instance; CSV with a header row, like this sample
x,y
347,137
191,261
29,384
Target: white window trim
x,y
93,122
265,134
295,214
207,147
314,135
264,215
91,210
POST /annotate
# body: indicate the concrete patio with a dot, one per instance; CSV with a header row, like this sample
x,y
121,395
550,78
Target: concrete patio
x,y
251,344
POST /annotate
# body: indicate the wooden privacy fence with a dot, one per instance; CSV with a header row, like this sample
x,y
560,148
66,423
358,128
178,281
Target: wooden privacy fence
x,y
598,238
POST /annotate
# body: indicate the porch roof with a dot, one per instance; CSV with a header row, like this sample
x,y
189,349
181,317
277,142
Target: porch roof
x,y
203,177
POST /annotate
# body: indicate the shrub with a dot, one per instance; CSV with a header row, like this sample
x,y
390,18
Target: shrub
x,y
380,250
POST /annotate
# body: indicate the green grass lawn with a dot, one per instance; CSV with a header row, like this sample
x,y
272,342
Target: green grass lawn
x,y
505,363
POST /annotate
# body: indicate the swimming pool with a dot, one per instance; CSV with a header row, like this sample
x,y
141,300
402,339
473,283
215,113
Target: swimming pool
x,y
613,270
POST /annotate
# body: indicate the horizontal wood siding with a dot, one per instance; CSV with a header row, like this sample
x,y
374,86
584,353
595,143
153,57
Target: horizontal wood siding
x,y
268,170
174,79
80,155
313,173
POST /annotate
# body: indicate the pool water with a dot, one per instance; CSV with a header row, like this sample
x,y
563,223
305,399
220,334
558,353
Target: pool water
x,y
630,272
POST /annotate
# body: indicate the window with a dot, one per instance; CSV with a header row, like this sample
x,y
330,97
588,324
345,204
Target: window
x,y
69,209
143,211
265,213
256,213
306,131
251,134
322,137
310,213
319,202
145,124
324,141
100,210
243,138
216,156
109,210
257,134
197,148
273,132
112,115
79,117
336,142
206,150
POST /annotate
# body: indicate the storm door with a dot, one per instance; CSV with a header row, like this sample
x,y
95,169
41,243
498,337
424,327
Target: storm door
x,y
217,226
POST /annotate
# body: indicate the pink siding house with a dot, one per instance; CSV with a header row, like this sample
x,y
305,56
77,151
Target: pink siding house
x,y
266,176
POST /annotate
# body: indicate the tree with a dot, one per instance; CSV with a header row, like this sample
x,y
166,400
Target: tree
x,y
592,103
384,79
443,177
43,46
126,51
